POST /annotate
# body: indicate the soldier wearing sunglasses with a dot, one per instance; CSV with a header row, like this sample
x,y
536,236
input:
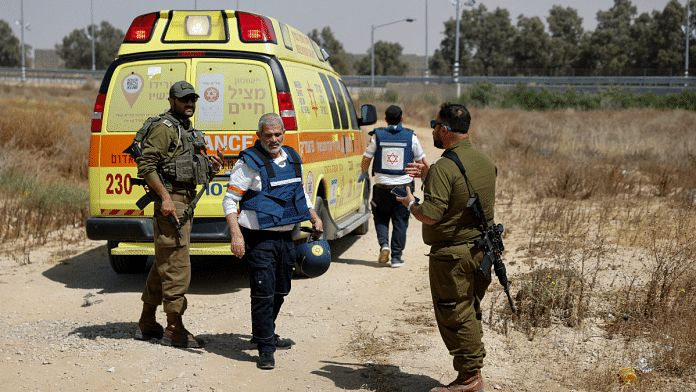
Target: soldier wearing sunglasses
x,y
450,228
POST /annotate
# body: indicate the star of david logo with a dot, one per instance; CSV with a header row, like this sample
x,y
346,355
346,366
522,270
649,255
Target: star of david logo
x,y
392,158
211,94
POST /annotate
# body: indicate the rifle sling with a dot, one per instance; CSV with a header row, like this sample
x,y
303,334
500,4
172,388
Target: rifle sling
x,y
453,156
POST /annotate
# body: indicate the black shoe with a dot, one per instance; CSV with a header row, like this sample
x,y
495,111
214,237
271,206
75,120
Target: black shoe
x,y
266,360
281,344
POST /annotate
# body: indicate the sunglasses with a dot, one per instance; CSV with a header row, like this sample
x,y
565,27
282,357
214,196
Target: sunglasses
x,y
434,123
188,98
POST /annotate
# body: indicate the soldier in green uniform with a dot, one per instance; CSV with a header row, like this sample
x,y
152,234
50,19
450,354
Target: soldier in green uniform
x,y
173,163
450,228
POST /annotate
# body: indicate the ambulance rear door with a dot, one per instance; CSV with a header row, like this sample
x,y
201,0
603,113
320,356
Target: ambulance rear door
x,y
234,94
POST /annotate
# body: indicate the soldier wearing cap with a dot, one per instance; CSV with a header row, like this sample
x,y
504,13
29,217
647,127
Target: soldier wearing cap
x,y
170,141
394,147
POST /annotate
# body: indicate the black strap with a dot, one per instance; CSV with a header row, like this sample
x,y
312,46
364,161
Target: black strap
x,y
453,156
296,161
266,161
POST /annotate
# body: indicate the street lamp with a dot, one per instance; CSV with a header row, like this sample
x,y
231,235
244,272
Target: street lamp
x,y
372,47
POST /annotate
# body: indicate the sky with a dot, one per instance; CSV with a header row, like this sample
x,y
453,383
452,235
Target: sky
x,y
350,20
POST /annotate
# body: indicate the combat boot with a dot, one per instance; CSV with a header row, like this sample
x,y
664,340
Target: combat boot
x,y
177,335
463,384
148,327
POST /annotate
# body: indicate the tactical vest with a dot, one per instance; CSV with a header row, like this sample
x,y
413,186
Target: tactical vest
x,y
394,150
192,165
281,200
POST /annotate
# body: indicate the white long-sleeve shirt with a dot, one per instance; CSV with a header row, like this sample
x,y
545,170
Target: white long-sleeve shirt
x,y
244,178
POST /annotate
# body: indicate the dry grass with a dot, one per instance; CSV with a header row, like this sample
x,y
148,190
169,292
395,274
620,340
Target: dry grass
x,y
605,205
44,135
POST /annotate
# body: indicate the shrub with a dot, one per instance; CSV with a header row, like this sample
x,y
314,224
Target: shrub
x,y
483,94
389,96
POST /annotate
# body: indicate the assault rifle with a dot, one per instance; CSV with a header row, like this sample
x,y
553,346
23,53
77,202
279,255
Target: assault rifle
x,y
492,244
135,152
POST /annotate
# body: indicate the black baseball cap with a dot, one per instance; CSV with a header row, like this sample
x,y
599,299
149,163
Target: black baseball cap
x,y
181,89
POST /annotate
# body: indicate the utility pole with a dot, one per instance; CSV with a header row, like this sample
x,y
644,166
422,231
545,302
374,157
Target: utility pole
x,y
22,27
455,71
91,6
688,30
24,70
426,42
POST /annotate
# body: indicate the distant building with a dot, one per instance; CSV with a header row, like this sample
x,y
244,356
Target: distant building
x,y
47,59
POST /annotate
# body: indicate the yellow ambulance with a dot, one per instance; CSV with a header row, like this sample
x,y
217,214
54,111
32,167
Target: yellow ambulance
x,y
242,65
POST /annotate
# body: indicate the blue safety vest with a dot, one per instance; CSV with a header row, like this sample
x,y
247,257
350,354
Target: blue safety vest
x,y
281,200
394,149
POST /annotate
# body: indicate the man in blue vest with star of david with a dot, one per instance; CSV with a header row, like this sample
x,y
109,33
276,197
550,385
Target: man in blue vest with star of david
x,y
393,148
266,181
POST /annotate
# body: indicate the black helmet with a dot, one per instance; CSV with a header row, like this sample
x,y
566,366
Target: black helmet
x,y
313,258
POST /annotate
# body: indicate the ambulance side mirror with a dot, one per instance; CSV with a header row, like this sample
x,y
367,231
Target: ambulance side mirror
x,y
368,115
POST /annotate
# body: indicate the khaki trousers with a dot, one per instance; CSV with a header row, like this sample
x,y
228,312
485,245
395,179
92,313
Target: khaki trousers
x,y
170,275
457,290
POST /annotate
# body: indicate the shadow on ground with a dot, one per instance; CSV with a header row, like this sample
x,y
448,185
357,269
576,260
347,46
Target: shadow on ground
x,y
91,270
229,345
210,275
373,377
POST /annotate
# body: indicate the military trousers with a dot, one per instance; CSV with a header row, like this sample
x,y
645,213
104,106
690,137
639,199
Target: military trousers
x,y
170,275
457,289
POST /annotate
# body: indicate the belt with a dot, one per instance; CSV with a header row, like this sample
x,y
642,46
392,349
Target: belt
x,y
391,186
182,185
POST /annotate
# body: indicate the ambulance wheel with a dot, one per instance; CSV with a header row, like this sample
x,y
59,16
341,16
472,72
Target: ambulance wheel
x,y
134,264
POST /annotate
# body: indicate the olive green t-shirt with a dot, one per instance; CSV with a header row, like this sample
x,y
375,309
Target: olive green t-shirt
x,y
446,194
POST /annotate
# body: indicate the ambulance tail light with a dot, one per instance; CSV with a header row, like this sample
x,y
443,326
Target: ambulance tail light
x,y
255,28
141,28
287,111
98,113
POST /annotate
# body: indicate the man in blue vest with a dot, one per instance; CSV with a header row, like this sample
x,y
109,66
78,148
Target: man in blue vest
x,y
266,181
394,147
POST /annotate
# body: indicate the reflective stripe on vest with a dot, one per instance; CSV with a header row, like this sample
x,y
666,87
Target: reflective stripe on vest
x,y
280,201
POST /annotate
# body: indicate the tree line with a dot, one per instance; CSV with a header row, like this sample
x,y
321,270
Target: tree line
x,y
487,40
